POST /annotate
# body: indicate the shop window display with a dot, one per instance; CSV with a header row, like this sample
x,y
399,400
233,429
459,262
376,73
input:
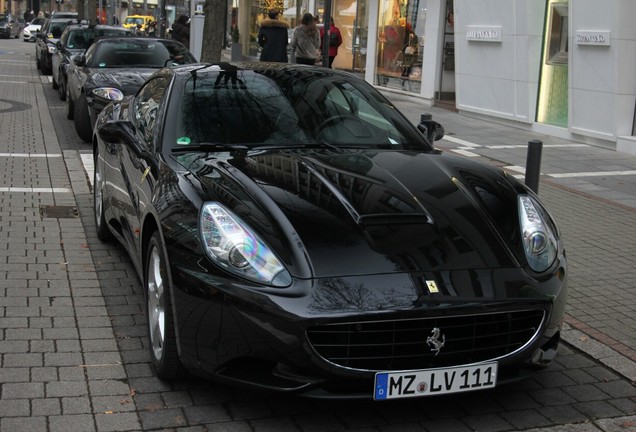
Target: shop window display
x,y
401,43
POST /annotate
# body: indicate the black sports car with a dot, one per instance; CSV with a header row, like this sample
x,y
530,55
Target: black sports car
x,y
46,40
112,68
293,231
75,40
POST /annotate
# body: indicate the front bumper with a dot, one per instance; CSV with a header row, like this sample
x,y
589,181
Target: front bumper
x,y
260,338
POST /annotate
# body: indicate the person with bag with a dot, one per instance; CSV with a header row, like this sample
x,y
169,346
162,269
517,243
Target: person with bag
x,y
305,42
335,40
272,37
410,53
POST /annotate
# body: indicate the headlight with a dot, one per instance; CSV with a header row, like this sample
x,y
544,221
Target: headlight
x,y
233,246
109,93
539,240
52,49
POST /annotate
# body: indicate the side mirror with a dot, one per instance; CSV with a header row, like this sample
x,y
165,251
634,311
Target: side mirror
x,y
116,131
58,44
433,130
79,60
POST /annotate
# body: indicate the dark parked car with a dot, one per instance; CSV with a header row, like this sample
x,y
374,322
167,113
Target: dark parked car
x,y
294,232
113,68
46,43
9,26
75,40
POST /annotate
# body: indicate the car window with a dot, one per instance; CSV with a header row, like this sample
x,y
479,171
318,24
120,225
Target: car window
x,y
38,21
82,38
148,53
288,107
90,53
56,28
146,106
347,100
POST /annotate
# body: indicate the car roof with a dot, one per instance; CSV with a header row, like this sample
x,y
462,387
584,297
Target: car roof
x,y
258,67
129,38
97,27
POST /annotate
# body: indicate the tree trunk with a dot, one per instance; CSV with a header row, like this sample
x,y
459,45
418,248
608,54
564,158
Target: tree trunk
x,y
80,10
91,11
213,30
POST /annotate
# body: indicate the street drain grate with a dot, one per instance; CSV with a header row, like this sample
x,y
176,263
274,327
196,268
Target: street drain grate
x,y
59,212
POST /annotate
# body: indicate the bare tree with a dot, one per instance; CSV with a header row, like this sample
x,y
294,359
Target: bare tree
x,y
213,30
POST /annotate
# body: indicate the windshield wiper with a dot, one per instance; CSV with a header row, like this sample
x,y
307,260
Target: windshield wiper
x,y
206,147
313,145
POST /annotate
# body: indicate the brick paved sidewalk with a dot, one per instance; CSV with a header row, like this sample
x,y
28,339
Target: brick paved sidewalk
x,y
73,346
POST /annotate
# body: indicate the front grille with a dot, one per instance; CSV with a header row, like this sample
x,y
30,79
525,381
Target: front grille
x,y
401,344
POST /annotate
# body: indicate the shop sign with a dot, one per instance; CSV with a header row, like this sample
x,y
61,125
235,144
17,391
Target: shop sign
x,y
483,34
598,38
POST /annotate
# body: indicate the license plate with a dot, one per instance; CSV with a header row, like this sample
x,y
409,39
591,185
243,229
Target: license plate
x,y
393,385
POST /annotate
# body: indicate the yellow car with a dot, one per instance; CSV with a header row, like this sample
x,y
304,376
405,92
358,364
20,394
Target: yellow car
x,y
132,21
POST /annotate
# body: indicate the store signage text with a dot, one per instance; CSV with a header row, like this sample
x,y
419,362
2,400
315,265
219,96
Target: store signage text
x,y
599,38
483,34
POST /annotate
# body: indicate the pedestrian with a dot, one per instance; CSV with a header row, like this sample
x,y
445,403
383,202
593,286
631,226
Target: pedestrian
x,y
115,20
305,41
151,29
181,30
335,40
272,36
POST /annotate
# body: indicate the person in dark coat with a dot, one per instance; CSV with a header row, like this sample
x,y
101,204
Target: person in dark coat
x,y
335,40
181,30
272,36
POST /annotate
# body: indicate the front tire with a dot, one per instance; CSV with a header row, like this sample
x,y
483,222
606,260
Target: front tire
x,y
70,106
61,88
83,120
101,226
161,332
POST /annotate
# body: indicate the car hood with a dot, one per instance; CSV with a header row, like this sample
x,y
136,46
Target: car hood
x,y
33,28
127,80
369,211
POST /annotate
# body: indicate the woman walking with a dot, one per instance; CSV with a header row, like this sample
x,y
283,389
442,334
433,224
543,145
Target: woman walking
x,y
305,42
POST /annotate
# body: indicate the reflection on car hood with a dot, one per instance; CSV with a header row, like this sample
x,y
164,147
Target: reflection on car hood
x,y
369,211
127,80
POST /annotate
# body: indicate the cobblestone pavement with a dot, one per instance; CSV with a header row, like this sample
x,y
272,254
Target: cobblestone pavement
x,y
73,346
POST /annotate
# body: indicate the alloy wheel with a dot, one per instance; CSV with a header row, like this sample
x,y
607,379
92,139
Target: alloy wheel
x,y
156,303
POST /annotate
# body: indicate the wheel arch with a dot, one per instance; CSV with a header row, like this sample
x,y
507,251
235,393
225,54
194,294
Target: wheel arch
x,y
149,226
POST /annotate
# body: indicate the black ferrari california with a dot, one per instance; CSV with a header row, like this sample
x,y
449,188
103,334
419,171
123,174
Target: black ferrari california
x,y
294,232
111,68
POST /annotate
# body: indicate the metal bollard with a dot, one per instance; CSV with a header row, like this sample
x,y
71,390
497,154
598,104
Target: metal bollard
x,y
533,164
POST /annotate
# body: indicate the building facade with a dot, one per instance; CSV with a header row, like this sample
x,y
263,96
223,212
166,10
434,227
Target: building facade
x,y
561,67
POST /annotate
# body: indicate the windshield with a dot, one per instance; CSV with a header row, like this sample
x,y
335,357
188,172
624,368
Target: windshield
x,y
133,20
144,53
38,21
57,27
290,107
84,37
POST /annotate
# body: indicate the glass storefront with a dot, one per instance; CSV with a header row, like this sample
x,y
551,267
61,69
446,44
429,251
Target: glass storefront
x,y
400,46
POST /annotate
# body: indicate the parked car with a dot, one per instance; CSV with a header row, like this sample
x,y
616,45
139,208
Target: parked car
x,y
132,21
111,69
30,31
75,40
45,43
9,26
293,231
64,15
